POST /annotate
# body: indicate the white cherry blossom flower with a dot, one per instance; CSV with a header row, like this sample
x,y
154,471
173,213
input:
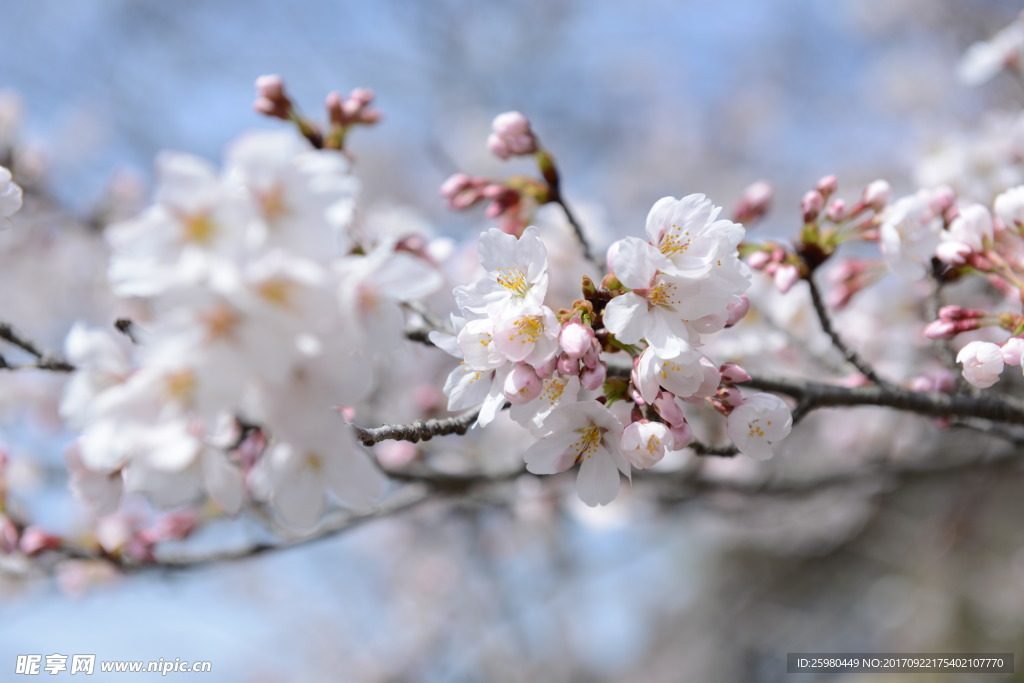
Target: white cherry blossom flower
x,y
685,373
644,443
527,335
304,198
516,274
983,60
911,230
661,306
758,424
584,433
299,479
196,219
689,233
557,390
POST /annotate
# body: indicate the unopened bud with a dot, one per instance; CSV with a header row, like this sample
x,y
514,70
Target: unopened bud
x,y
877,194
512,136
731,372
827,185
575,339
34,541
593,378
811,206
755,203
759,259
786,276
738,309
953,313
522,385
836,210
271,99
567,366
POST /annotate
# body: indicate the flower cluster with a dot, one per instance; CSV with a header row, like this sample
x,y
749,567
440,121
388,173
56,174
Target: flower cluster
x,y
560,373
258,317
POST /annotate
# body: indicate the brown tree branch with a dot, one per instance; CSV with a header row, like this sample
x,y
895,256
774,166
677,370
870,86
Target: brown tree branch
x,y
851,356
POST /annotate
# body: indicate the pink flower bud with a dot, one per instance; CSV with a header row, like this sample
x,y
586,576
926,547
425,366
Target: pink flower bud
x,y
836,210
759,259
682,435
786,276
729,396
877,194
271,99
34,541
755,203
270,86
567,366
593,355
953,313
731,372
827,185
512,136
576,339
940,329
593,378
669,409
547,368
522,385
738,309
811,206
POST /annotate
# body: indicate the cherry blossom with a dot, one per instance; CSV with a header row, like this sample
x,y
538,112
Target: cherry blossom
x,y
587,434
516,274
760,422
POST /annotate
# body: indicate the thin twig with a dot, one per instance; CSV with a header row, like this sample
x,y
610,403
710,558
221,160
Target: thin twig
x,y
849,354
342,524
45,360
577,228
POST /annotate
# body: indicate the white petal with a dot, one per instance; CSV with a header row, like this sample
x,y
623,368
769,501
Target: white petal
x,y
598,480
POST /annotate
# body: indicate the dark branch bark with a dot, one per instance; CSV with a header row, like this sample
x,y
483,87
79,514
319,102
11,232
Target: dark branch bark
x,y
817,395
45,360
420,430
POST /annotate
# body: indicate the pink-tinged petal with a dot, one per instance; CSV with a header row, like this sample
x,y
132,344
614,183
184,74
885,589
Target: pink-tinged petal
x,y
551,454
598,480
626,317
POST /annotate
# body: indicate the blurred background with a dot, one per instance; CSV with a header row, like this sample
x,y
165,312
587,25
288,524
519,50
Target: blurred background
x,y
637,100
